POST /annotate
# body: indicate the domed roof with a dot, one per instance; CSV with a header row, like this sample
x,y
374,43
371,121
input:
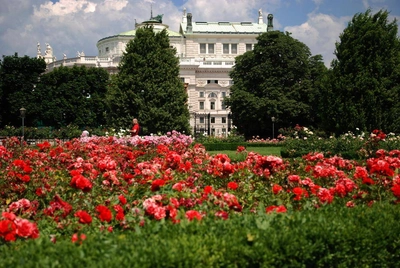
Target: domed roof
x,y
157,24
156,29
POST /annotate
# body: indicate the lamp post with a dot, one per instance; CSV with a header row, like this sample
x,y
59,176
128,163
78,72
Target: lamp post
x,y
273,127
22,112
194,115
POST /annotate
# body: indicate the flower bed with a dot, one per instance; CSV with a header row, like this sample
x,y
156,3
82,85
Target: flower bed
x,y
103,184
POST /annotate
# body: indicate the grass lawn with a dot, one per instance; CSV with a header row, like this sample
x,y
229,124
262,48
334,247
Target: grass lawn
x,y
233,155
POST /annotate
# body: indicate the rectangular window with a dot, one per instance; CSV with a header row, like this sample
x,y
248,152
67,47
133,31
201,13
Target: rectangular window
x,y
201,94
210,48
223,106
183,79
212,105
201,120
249,47
201,106
212,81
234,49
223,120
212,119
225,48
107,49
203,48
223,94
224,130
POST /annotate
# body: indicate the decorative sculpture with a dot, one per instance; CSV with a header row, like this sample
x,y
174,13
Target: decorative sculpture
x,y
158,18
49,50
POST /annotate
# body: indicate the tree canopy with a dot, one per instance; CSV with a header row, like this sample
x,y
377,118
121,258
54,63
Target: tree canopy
x,y
276,79
18,78
363,90
74,96
148,86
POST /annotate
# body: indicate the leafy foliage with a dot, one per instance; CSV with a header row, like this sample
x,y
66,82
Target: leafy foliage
x,y
71,96
363,90
148,86
276,79
18,79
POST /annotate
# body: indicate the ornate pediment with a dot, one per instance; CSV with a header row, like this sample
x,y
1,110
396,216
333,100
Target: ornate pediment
x,y
223,83
201,83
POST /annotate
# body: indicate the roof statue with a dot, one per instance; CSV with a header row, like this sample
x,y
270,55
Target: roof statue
x,y
157,18
38,49
49,50
260,16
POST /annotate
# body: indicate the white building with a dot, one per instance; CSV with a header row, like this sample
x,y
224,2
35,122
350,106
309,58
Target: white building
x,y
206,51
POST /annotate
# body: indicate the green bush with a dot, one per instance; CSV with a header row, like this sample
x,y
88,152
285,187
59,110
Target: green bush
x,y
332,236
68,132
222,146
348,146
231,138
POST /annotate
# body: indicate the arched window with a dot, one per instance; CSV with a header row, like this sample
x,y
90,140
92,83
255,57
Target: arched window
x,y
212,95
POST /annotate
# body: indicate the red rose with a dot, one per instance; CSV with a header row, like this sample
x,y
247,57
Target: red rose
x,y
232,185
193,214
104,213
83,216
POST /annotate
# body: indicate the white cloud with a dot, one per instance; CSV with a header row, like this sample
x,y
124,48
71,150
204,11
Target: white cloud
x,y
320,33
76,25
63,8
318,2
230,10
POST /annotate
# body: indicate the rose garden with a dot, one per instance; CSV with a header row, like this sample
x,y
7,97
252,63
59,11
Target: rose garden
x,y
167,201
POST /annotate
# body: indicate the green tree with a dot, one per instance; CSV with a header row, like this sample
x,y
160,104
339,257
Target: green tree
x,y
148,86
18,78
72,96
363,90
276,79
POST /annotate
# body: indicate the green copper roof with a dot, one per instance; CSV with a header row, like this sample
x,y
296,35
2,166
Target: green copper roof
x,y
133,32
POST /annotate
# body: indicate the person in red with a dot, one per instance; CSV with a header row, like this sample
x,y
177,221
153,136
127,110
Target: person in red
x,y
135,128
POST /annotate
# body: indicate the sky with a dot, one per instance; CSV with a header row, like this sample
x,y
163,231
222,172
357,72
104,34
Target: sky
x,y
72,26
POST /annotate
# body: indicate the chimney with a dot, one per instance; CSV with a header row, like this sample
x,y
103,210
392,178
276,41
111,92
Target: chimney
x,y
270,26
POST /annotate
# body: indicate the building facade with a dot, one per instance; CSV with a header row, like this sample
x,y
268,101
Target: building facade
x,y
206,51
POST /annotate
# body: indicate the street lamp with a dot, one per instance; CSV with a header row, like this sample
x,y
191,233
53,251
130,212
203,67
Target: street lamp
x,y
194,115
273,127
22,112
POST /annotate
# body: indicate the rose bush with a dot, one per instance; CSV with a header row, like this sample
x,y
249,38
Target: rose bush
x,y
100,184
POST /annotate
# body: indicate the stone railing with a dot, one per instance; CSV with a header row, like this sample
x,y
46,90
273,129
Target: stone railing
x,y
107,62
89,61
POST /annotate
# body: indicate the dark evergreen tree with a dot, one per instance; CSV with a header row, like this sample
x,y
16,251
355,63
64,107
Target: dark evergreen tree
x,y
276,79
74,96
148,86
363,90
18,78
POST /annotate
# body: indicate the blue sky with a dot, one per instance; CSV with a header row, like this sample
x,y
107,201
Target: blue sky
x,y
72,26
